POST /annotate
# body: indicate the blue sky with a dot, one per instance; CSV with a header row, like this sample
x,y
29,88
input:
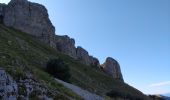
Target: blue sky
x,y
134,32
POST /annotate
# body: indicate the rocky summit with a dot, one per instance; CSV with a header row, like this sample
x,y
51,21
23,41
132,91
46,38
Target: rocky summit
x,y
112,67
33,18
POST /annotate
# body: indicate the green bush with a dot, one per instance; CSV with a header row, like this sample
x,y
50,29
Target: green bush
x,y
58,69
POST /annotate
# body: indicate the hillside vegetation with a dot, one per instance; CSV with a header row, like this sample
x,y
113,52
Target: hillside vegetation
x,y
25,53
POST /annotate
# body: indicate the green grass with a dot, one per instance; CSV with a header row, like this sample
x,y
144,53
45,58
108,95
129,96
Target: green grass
x,y
20,53
24,52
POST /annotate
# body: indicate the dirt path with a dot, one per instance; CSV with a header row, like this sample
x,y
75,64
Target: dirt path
x,y
83,93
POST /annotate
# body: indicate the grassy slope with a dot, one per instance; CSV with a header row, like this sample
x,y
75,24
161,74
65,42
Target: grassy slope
x,y
32,55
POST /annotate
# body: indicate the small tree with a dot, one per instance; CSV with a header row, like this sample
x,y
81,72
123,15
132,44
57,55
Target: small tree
x,y
58,69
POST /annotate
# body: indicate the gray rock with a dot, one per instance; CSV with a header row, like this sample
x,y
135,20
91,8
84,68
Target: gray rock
x,y
112,68
83,55
9,88
66,45
94,61
31,18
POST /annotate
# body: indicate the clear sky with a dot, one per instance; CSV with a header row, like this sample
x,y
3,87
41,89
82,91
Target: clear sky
x,y
134,32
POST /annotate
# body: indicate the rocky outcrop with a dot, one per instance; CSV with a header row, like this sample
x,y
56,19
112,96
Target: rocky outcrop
x,y
112,68
7,86
31,18
21,89
94,61
83,55
66,45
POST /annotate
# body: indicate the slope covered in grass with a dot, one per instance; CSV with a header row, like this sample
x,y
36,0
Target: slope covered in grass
x,y
23,52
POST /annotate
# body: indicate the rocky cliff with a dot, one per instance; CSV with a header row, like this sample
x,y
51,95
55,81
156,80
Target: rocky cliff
x,y
66,45
33,19
112,68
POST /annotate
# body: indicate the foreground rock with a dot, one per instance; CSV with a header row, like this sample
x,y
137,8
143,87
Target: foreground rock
x,y
112,68
22,89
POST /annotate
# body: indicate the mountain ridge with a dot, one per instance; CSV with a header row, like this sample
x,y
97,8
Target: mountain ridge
x,y
29,53
33,19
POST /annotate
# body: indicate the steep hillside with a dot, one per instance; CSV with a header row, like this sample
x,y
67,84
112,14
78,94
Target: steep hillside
x,y
20,55
22,52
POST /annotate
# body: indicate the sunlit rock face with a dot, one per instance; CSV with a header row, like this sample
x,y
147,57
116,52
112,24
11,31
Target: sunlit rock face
x,y
31,18
112,68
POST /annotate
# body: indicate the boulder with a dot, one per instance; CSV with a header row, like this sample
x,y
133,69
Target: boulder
x,y
66,45
31,18
112,67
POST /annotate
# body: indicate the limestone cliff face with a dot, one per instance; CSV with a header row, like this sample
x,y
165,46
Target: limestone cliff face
x,y
112,68
66,45
83,55
31,18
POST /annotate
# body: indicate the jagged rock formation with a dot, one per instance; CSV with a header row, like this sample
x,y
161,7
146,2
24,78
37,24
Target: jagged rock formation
x,y
112,67
7,86
66,45
31,18
83,55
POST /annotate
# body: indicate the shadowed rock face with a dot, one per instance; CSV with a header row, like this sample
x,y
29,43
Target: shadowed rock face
x,y
83,55
66,45
31,18
112,68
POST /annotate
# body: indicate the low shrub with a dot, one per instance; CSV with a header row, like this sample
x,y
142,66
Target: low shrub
x,y
58,69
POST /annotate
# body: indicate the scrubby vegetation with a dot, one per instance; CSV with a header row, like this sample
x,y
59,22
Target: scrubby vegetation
x,y
58,69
